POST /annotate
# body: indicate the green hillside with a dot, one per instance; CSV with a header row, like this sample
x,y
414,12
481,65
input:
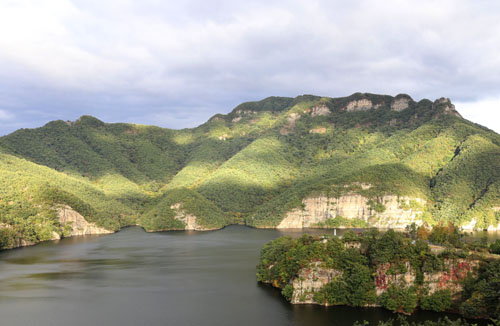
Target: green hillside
x,y
253,165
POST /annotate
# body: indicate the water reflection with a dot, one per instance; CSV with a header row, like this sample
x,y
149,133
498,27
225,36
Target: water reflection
x,y
169,278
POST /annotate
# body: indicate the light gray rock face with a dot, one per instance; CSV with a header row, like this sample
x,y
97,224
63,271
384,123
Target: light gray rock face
x,y
320,110
354,206
400,104
310,280
189,220
449,108
359,105
79,226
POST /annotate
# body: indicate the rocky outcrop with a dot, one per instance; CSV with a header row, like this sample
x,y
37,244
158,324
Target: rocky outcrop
x,y
223,137
448,107
359,105
320,110
472,226
315,276
289,126
454,272
450,277
383,279
320,130
77,223
310,280
400,104
397,213
189,220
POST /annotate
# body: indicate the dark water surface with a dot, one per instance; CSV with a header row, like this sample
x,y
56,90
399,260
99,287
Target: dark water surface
x,y
170,278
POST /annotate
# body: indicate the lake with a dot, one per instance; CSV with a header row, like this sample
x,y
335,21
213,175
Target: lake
x,y
169,278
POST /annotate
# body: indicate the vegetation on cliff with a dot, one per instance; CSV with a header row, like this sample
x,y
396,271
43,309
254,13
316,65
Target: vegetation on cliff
x,y
392,270
253,165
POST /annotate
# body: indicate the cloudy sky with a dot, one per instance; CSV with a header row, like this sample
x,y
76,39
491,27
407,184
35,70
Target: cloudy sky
x,y
176,63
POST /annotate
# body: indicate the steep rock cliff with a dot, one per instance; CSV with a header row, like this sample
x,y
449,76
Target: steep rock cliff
x,y
311,279
315,276
397,212
188,219
77,223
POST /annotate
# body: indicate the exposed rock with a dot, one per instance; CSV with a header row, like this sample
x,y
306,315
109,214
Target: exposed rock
x,y
353,206
320,130
448,107
310,280
320,110
493,227
223,137
315,276
245,112
78,224
131,131
400,104
362,185
469,226
289,126
189,220
236,119
383,279
455,271
359,105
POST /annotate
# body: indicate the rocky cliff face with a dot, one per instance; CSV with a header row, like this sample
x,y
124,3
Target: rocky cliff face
x,y
450,277
310,280
397,213
77,223
189,220
315,276
72,223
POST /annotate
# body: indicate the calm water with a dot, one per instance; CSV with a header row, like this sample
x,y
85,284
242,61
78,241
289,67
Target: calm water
x,y
137,278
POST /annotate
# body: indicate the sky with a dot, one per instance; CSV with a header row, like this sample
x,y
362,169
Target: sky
x,y
177,63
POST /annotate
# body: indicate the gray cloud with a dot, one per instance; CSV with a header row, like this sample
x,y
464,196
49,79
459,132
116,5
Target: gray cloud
x,y
177,63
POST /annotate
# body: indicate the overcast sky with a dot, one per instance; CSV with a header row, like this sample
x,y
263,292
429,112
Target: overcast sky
x,y
176,63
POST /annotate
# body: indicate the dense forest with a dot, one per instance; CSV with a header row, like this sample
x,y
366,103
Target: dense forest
x,y
399,271
253,166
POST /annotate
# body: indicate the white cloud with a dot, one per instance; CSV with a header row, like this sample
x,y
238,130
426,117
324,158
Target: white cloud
x,y
95,55
485,112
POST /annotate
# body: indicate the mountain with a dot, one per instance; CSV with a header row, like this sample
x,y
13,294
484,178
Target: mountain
x,y
309,161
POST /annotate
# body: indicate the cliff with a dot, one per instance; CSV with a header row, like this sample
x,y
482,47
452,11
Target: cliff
x,y
73,223
395,213
70,223
312,279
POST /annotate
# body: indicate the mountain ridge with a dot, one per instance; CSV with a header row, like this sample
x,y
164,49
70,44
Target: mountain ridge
x,y
260,164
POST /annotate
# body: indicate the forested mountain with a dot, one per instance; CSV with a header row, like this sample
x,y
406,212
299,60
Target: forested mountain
x,y
307,161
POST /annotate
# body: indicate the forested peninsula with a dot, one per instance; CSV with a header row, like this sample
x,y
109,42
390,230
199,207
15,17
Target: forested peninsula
x,y
399,271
